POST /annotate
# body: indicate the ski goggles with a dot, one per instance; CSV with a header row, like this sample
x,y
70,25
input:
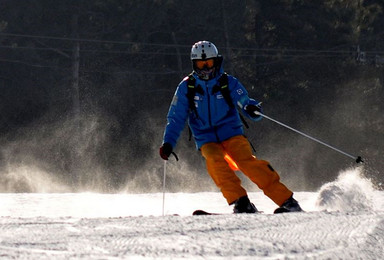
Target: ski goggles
x,y
200,64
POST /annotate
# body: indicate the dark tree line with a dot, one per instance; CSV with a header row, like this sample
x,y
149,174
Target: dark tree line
x,y
85,85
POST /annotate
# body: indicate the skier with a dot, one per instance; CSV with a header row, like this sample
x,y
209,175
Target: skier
x,y
208,99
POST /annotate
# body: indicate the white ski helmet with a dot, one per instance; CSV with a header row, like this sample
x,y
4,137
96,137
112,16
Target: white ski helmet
x,y
206,61
203,50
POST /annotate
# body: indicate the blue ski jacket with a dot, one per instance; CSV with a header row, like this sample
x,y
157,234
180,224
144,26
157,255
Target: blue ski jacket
x,y
215,120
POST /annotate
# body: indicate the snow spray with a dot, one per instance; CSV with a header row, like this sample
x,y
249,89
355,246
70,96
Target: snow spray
x,y
26,178
350,192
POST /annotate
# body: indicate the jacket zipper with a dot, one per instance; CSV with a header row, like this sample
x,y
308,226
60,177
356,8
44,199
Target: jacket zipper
x,y
209,113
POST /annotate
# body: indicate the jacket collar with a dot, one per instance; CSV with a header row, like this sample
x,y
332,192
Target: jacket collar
x,y
209,83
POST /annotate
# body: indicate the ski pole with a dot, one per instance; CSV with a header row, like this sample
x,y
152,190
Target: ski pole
x,y
164,174
358,159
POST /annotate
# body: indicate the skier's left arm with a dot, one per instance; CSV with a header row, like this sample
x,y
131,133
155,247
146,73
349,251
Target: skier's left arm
x,y
240,97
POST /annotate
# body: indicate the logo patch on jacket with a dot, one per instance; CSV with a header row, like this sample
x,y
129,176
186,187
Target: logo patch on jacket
x,y
240,91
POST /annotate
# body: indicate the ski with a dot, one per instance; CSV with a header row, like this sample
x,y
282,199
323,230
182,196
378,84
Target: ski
x,y
280,210
200,212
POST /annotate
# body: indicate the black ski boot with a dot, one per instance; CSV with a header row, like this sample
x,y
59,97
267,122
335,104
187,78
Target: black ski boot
x,y
243,205
290,205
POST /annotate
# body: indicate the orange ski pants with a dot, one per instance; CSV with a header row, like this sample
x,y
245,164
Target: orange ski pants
x,y
258,171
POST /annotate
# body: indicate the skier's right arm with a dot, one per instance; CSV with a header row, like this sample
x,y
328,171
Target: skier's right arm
x,y
176,118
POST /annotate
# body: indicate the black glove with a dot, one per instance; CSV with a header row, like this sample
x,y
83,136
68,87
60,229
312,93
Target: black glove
x,y
250,109
165,151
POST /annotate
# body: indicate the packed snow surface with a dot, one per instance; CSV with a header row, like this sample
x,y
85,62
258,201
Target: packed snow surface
x,y
343,220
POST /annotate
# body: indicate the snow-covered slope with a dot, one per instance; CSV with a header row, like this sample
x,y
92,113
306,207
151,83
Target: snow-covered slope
x,y
344,220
